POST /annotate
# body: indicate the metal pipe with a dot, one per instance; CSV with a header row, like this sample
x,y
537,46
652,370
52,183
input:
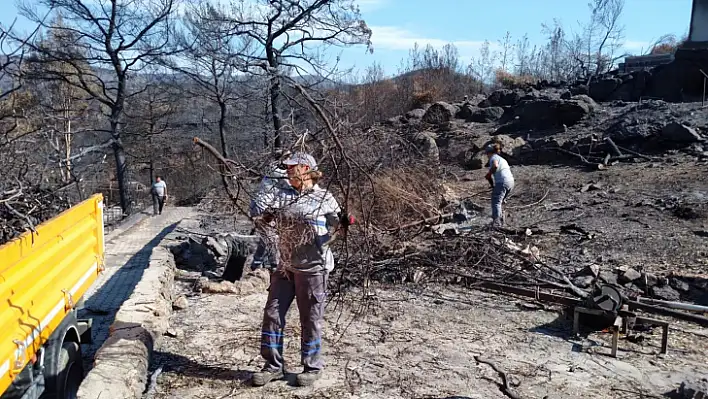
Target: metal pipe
x,y
701,320
537,294
675,305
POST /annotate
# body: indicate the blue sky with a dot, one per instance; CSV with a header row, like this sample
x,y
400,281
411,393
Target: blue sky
x,y
398,24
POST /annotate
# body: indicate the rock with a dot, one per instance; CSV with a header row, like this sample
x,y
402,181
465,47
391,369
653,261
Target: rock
x,y
665,293
219,248
679,285
466,111
396,120
440,113
425,142
680,133
591,187
486,115
608,277
580,89
415,114
583,281
629,276
476,160
503,97
590,270
566,95
546,114
592,105
513,147
603,90
180,303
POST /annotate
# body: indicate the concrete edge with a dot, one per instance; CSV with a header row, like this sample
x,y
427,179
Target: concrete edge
x,y
120,368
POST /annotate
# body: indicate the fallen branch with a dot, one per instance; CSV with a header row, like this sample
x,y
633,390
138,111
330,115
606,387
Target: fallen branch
x,y
614,147
504,387
648,158
532,204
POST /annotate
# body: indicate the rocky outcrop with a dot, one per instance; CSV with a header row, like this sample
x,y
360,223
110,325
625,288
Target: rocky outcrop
x,y
440,113
547,114
486,115
501,98
511,147
680,133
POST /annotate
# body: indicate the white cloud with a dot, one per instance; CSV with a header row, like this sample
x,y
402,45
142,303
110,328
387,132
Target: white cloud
x,y
396,38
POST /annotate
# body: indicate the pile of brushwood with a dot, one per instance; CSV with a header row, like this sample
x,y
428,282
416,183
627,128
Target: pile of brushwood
x,y
22,208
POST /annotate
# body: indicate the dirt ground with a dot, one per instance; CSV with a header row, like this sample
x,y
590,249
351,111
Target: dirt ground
x,y
645,215
415,342
401,342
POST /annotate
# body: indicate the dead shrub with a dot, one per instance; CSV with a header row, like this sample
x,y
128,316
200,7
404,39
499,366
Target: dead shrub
x,y
421,98
510,81
398,196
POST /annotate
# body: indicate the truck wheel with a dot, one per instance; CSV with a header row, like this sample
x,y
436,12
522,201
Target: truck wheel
x,y
64,374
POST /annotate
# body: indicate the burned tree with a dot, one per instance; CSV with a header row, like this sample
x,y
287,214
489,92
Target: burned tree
x,y
117,38
212,61
292,35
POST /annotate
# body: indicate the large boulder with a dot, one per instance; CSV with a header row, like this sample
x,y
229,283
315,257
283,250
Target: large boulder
x,y
466,111
425,142
486,115
502,98
415,114
440,113
547,114
680,133
592,105
511,148
602,90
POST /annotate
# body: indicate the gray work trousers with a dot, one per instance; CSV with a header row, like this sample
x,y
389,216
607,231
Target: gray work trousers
x,y
309,290
500,192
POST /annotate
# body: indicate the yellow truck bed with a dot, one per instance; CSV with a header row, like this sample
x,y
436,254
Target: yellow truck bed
x,y
42,276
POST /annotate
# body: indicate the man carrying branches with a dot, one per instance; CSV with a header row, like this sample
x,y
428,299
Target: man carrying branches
x,y
276,177
302,214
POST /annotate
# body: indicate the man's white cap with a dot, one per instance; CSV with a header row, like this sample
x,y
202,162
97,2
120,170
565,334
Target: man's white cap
x,y
301,158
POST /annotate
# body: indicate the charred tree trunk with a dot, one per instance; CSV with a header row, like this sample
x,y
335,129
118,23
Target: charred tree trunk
x,y
222,129
121,167
275,88
224,147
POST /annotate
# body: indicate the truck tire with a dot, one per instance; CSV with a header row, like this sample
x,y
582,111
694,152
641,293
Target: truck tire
x,y
64,373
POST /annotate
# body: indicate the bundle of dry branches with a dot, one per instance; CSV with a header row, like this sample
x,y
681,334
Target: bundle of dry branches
x,y
23,208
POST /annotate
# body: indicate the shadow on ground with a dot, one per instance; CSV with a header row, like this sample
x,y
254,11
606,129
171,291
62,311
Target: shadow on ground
x,y
173,363
104,303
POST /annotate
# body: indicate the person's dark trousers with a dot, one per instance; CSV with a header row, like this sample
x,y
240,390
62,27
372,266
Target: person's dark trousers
x,y
309,290
158,202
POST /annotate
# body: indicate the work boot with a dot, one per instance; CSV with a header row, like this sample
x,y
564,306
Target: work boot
x,y
265,376
307,378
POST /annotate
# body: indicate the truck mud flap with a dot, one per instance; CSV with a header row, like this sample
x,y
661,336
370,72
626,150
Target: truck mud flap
x,y
84,326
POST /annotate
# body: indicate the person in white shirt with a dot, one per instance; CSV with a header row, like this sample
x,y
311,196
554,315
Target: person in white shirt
x,y
159,192
502,184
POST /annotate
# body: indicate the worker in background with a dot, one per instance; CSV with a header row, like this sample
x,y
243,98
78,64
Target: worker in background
x,y
304,269
159,194
267,250
501,181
